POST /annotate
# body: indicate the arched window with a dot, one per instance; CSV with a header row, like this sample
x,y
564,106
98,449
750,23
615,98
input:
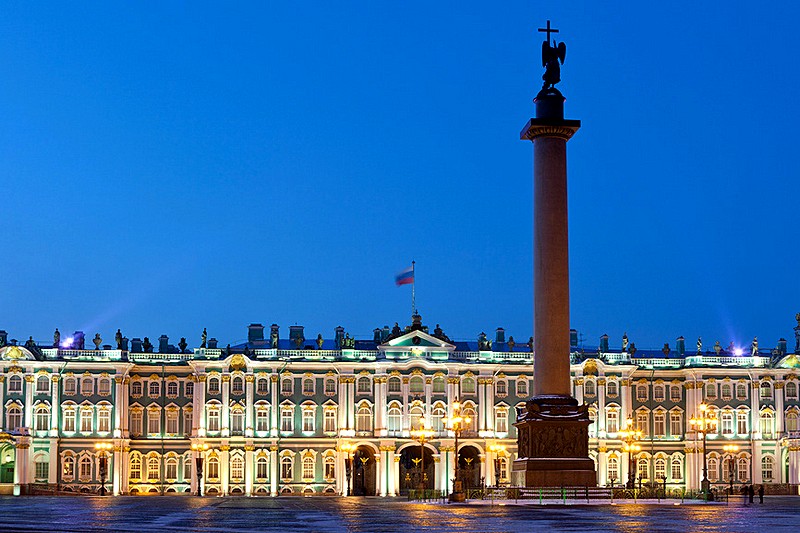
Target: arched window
x,y
658,393
612,469
713,469
641,393
287,468
642,470
172,389
69,468
136,388
767,467
661,469
262,469
262,386
767,423
237,469
154,389
85,468
417,385
330,386
308,386
364,418
136,468
588,387
153,466
522,387
415,416
437,419
13,418
171,469
364,384
741,391
43,384
15,384
287,386
330,468
766,390
677,469
394,384
42,418
213,468
469,412
791,390
237,385
467,386
711,390
394,419
611,387
213,385
725,391
500,387
438,384
743,470
308,468
69,386
187,468
501,420
792,422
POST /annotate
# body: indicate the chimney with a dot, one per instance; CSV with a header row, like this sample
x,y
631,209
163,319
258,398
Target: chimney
x,y
3,337
680,345
296,336
573,338
339,336
163,344
385,333
255,333
136,345
212,343
604,343
376,335
124,344
782,346
500,336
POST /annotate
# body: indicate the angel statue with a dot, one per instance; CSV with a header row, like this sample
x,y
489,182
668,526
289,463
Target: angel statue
x,y
551,55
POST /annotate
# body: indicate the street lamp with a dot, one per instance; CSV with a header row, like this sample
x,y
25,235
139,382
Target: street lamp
x,y
629,436
103,448
199,448
497,450
705,425
421,434
731,449
348,449
456,424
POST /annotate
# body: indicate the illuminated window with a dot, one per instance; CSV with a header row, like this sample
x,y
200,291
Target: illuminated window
x,y
613,469
87,386
153,422
677,469
364,385
42,418
791,390
330,421
438,384
172,422
330,468
727,423
171,468
308,468
467,386
68,473
588,388
741,423
364,419
15,384
237,422
86,420
213,385
69,420
791,422
104,420
287,419
287,469
308,421
237,386
660,469
767,468
262,468
394,384
262,419
416,385
675,424
43,384
85,469
501,421
766,390
308,386
659,424
393,418
213,419
136,422
612,421
136,468
213,468
713,469
237,469
153,467
104,387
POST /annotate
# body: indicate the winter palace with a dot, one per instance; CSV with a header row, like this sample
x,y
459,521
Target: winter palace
x,y
281,414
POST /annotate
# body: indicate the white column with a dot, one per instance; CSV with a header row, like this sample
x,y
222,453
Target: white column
x,y
755,462
794,464
55,410
482,405
52,476
116,469
275,408
602,466
578,387
601,406
224,467
274,472
626,401
779,414
118,405
428,396
396,476
351,402
755,417
193,488
248,467
406,423
29,385
199,409
452,394
489,391
248,413
379,474
21,465
226,405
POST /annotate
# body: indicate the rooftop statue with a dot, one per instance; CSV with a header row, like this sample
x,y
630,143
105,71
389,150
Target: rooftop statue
x,y
204,338
56,338
551,56
118,339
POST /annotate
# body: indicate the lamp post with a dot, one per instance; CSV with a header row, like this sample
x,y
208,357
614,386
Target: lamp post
x,y
199,448
348,449
704,424
456,424
422,434
731,449
629,436
103,448
497,450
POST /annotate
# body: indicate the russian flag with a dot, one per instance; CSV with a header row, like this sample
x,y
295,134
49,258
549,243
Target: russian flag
x,y
405,277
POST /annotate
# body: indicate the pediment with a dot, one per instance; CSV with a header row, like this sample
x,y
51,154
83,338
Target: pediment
x,y
790,361
417,339
16,353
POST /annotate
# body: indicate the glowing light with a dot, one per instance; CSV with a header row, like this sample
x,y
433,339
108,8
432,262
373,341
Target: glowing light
x,y
738,351
68,342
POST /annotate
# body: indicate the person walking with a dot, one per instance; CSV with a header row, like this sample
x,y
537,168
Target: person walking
x,y
751,492
761,494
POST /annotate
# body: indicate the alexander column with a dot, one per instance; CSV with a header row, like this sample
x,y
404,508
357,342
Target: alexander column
x,y
553,430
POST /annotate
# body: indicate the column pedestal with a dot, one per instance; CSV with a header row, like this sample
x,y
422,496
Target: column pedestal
x,y
553,444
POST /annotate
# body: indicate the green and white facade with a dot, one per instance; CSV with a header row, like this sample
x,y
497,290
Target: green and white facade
x,y
275,412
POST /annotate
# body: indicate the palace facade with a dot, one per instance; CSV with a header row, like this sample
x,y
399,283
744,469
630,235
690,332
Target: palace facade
x,y
334,416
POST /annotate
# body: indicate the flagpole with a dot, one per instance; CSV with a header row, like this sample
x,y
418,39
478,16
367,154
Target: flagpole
x,y
413,290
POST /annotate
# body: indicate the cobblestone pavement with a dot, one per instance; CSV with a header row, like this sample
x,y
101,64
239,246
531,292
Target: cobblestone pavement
x,y
79,514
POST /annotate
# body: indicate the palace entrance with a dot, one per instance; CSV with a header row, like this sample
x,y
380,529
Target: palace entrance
x,y
412,463
364,470
8,459
469,467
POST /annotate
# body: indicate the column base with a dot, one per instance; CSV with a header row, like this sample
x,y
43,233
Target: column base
x,y
553,444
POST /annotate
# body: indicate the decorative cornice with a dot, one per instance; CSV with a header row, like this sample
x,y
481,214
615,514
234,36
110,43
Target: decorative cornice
x,y
561,129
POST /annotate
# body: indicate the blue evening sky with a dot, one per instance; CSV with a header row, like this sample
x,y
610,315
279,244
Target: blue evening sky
x,y
169,166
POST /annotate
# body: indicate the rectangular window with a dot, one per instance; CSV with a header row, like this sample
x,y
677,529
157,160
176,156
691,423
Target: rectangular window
x,y
501,421
677,471
308,468
286,468
308,386
727,423
711,391
188,389
104,421
287,424
642,423
308,421
42,470
172,424
262,468
136,423
69,420
741,391
187,422
330,421
86,421
69,386
658,393
741,423
286,386
675,425
262,420
171,469
43,384
641,393
237,423
330,469
213,419
87,385
153,422
612,422
675,393
659,423
42,419
104,387
262,385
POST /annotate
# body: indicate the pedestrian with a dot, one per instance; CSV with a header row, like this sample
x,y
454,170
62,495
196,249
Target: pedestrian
x,y
751,492
744,494
761,494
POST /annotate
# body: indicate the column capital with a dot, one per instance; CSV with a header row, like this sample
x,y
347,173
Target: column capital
x,y
543,127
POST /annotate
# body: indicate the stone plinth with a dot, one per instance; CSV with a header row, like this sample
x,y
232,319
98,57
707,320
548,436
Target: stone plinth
x,y
553,444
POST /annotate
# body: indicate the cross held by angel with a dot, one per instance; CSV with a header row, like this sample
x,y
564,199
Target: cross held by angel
x,y
552,58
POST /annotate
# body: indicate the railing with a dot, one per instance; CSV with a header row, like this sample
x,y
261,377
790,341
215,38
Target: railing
x,y
155,357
